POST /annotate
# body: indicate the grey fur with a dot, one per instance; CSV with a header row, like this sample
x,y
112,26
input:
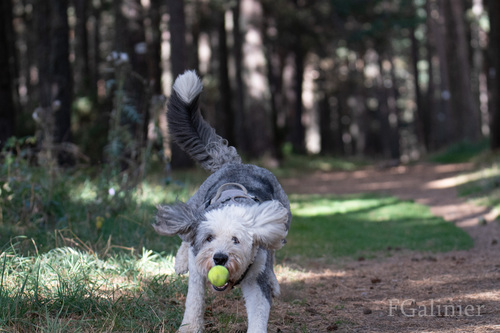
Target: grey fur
x,y
259,182
264,199
189,129
177,219
263,278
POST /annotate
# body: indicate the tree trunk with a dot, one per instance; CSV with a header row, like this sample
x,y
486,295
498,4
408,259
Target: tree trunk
x,y
94,57
82,62
325,121
423,115
275,66
178,61
7,68
430,100
494,73
257,101
466,114
298,130
177,26
443,120
389,120
239,119
225,116
154,48
55,78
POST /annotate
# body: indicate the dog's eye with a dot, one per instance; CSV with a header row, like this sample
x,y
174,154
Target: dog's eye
x,y
209,239
236,240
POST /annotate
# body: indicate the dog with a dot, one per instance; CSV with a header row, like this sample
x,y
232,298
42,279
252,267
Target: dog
x,y
238,217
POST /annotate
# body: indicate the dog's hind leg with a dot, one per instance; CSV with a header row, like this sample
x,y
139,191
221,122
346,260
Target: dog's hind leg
x,y
181,259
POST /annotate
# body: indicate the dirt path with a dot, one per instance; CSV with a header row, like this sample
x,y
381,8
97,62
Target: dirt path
x,y
407,292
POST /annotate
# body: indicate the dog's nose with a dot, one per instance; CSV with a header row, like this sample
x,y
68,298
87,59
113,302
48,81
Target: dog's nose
x,y
220,258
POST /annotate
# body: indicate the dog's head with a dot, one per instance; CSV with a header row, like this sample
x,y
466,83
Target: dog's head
x,y
229,235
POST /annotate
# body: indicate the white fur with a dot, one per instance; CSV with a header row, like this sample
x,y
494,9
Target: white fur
x,y
188,86
195,301
257,305
181,259
241,233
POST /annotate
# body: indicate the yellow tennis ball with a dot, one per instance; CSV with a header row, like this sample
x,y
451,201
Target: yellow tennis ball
x,y
218,275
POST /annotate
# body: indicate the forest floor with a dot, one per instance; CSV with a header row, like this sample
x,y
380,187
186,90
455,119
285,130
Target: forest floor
x,y
399,290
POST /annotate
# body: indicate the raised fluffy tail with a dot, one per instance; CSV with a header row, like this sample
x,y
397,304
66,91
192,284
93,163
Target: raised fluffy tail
x,y
191,132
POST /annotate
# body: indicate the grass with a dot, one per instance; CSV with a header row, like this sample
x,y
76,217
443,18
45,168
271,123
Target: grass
x,y
482,185
461,152
66,290
329,227
79,254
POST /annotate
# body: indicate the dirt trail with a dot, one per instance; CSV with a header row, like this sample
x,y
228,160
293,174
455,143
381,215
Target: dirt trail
x,y
407,292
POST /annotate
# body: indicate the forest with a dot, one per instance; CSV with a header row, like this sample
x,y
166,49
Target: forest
x,y
86,81
380,119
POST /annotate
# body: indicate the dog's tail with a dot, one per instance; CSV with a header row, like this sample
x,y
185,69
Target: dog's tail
x,y
191,132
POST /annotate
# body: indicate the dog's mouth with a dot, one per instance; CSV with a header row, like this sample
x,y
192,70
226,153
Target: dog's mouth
x,y
221,288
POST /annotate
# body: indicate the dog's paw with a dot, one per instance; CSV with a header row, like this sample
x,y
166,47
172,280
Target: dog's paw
x,y
188,328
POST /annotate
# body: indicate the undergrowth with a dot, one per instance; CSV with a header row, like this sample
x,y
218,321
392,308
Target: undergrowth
x,y
67,290
78,253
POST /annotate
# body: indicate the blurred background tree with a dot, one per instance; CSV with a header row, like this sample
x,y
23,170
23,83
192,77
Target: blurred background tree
x,y
386,79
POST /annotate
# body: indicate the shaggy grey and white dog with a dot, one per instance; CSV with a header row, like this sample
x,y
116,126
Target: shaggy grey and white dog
x,y
239,216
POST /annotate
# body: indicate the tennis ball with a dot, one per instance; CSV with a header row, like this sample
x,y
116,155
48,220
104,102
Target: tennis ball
x,y
218,275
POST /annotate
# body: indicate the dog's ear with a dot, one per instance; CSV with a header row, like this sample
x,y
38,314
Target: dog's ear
x,y
176,219
269,225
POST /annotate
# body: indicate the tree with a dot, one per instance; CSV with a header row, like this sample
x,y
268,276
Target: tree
x,y
465,115
54,71
82,60
177,27
8,70
154,47
178,62
494,73
256,92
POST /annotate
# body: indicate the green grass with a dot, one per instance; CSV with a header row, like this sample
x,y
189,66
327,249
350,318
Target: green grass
x,y
460,152
294,165
330,227
482,185
74,257
75,209
66,290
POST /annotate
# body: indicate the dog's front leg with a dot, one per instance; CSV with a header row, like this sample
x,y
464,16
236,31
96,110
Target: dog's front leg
x,y
195,300
258,304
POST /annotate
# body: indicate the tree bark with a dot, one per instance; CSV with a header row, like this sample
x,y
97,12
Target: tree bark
x,y
7,68
239,119
443,120
225,116
178,61
257,100
494,73
154,48
82,61
466,113
423,113
177,26
298,129
55,77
